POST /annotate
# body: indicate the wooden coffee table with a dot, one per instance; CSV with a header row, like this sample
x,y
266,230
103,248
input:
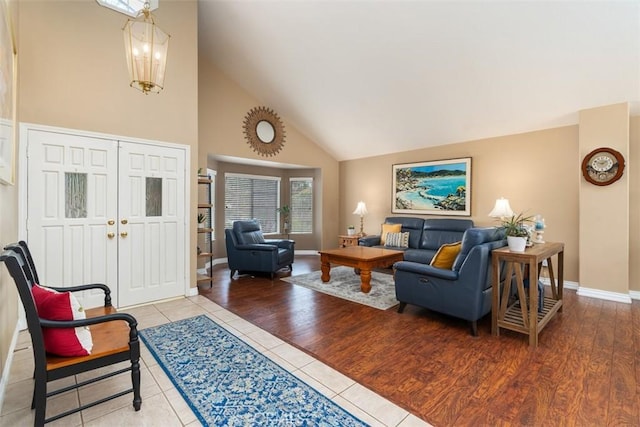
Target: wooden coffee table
x,y
362,258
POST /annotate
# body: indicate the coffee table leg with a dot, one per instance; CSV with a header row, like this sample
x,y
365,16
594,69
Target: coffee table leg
x,y
325,267
365,281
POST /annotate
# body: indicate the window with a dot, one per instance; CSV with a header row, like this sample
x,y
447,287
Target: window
x,y
301,190
252,196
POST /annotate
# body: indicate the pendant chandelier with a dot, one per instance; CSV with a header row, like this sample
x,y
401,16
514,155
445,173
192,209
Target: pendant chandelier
x,y
146,46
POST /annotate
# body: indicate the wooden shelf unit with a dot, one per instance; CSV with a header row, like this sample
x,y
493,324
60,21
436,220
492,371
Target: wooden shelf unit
x,y
205,235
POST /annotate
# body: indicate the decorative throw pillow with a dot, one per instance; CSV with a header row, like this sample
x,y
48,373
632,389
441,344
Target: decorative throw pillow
x,y
389,228
397,240
54,305
446,255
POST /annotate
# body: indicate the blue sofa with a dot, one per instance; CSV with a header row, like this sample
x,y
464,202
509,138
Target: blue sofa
x,y
425,235
249,251
465,290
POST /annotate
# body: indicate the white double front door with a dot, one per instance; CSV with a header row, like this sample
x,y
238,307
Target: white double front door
x,y
101,210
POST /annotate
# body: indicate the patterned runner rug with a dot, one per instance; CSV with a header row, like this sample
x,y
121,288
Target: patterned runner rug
x,y
345,284
228,383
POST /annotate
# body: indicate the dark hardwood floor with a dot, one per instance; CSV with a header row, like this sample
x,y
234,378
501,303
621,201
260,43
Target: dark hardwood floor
x,y
585,371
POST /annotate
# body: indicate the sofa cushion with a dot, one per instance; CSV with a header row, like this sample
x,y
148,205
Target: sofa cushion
x,y
54,305
446,255
389,228
438,231
398,240
411,225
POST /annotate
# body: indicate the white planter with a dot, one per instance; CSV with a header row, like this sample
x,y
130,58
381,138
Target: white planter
x,y
351,231
201,225
516,244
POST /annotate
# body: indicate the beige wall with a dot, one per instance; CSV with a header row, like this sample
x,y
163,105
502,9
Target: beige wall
x,y
604,256
72,74
634,204
8,234
535,171
539,172
223,107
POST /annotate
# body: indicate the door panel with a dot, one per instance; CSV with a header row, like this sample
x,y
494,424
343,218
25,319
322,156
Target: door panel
x,y
153,202
71,194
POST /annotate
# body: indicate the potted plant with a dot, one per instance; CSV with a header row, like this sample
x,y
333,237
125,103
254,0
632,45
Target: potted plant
x,y
284,212
517,231
351,230
202,218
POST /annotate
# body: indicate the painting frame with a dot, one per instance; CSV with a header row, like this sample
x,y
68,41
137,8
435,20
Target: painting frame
x,y
8,97
412,183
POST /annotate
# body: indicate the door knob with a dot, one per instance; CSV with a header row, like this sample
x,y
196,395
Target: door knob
x,y
111,222
124,222
111,235
124,234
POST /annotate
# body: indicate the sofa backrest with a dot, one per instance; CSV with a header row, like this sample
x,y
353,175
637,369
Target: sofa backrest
x,y
411,225
478,236
439,231
248,232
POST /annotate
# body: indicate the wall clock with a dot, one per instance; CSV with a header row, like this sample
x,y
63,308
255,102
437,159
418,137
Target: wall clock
x,y
264,131
603,166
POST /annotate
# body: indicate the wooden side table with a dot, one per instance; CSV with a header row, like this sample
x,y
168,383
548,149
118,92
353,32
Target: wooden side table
x,y
517,317
344,241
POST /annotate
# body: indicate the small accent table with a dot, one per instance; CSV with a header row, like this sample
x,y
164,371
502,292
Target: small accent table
x,y
344,241
517,317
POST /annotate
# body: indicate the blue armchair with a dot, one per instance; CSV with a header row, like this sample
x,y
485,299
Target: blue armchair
x,y
248,250
465,290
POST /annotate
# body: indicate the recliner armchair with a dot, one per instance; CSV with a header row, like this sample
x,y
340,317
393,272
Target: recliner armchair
x,y
465,290
248,250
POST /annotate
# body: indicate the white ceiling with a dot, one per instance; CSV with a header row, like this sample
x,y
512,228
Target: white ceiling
x,y
364,78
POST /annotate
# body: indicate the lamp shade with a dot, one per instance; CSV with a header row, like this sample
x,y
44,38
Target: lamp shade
x,y
361,209
146,46
501,209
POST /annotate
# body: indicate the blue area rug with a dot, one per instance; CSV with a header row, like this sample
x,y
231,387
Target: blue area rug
x,y
228,383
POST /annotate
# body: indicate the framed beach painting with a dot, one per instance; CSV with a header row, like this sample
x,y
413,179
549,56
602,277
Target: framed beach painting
x,y
440,187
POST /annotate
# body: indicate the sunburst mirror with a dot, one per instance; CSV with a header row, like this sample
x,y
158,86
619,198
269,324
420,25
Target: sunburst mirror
x,y
264,131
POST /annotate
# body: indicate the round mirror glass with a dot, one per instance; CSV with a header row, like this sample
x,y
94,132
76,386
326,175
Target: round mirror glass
x,y
265,131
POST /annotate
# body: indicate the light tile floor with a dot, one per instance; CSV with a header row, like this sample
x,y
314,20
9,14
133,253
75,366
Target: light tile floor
x,y
162,404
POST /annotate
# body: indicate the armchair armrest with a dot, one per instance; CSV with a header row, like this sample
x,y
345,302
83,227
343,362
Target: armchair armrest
x,y
105,288
282,243
264,247
425,270
133,323
369,241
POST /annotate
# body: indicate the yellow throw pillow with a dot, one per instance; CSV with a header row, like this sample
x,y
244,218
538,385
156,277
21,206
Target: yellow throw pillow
x,y
446,255
389,228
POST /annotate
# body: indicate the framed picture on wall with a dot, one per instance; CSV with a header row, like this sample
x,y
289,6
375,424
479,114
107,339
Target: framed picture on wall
x,y
7,97
440,187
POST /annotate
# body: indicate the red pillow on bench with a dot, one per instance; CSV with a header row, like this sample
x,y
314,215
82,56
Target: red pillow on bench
x,y
54,305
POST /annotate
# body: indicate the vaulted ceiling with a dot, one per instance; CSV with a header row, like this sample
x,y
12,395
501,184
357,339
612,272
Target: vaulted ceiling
x,y
364,78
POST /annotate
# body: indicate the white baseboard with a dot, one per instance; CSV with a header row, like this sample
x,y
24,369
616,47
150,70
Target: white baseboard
x,y
567,284
597,293
7,366
606,295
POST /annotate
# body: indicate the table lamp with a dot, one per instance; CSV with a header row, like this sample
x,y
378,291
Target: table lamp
x,y
361,210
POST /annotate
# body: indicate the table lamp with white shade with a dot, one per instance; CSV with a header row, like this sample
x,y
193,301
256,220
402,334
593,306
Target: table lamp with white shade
x,y
361,210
